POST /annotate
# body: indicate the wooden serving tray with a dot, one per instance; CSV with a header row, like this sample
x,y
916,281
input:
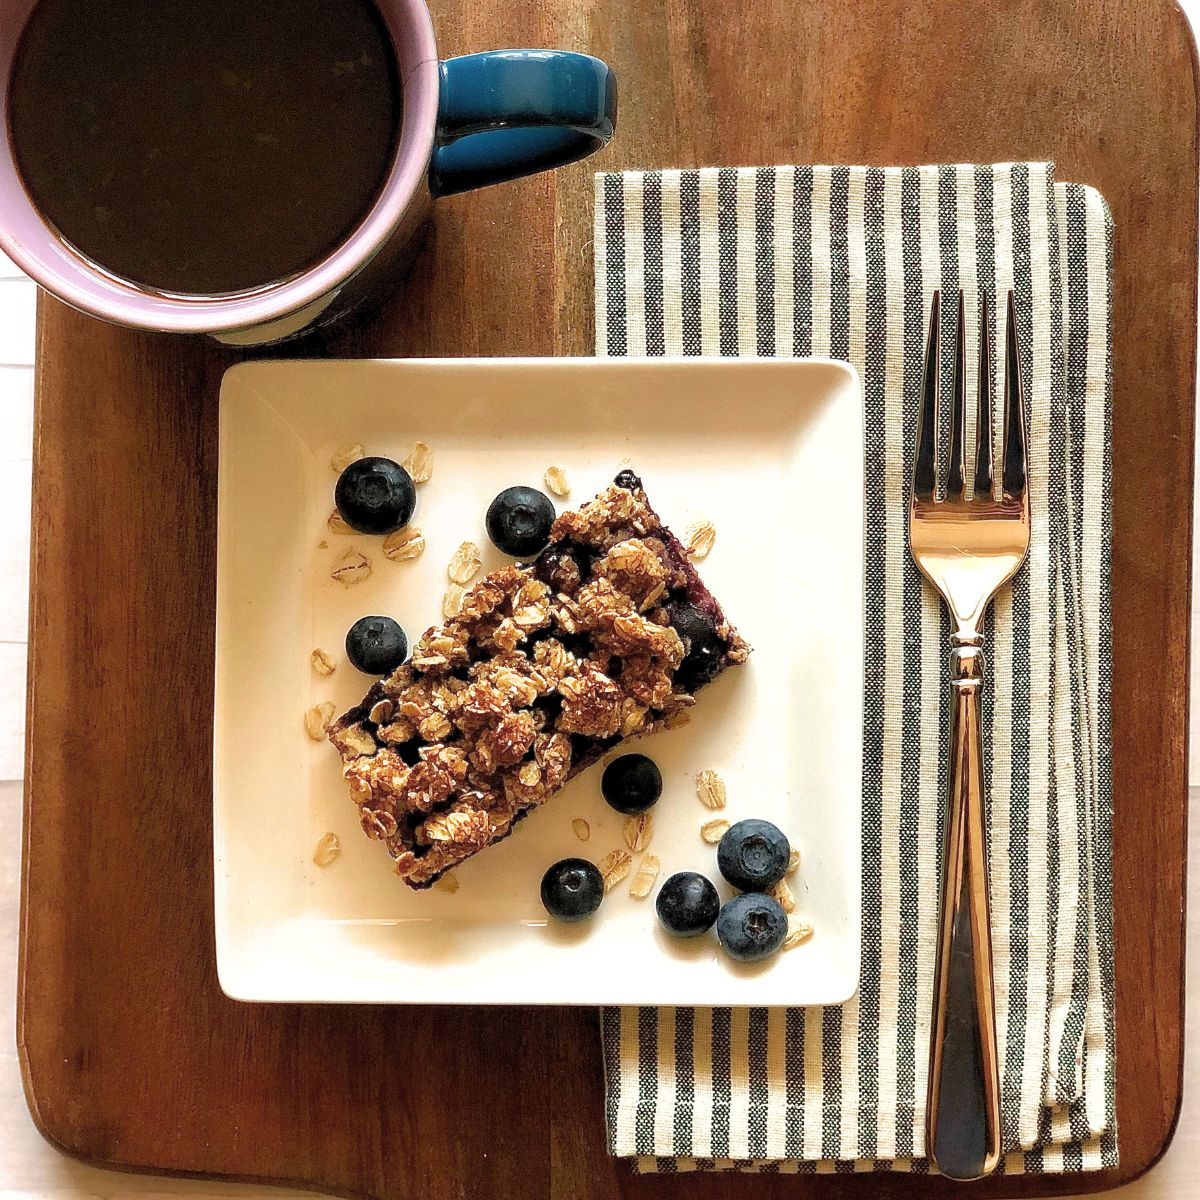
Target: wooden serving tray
x,y
132,1056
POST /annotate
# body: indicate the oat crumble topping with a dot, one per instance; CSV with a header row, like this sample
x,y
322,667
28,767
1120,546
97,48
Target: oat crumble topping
x,y
543,668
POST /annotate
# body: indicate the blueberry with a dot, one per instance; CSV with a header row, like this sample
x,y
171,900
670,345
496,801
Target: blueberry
x,y
753,855
375,495
376,645
519,520
631,783
702,649
628,480
751,927
688,904
564,566
572,889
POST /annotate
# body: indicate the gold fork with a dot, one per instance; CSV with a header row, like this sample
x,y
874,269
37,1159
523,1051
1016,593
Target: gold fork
x,y
968,547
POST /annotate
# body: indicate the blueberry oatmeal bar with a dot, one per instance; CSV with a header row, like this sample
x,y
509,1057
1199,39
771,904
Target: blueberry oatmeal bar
x,y
607,635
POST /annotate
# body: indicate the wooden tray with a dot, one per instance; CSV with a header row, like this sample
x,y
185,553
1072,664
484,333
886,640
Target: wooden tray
x,y
132,1056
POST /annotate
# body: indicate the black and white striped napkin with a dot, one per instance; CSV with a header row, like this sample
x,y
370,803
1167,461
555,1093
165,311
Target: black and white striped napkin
x,y
841,261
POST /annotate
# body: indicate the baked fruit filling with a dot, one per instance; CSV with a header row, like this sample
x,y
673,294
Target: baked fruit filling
x,y
607,635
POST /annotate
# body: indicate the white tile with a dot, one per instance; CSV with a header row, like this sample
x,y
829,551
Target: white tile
x,y
15,478
12,710
18,310
9,269
16,414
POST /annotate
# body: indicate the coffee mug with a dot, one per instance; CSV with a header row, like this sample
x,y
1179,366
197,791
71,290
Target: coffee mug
x,y
467,122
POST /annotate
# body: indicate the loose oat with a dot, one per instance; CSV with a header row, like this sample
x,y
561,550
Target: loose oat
x,y
328,848
713,831
583,830
452,601
353,567
318,719
360,789
378,825
450,827
337,524
556,481
614,866
782,895
653,596
404,544
435,727
343,456
323,662
427,662
710,787
700,539
419,462
638,831
355,742
465,564
448,884
793,861
643,879
382,712
798,934
322,545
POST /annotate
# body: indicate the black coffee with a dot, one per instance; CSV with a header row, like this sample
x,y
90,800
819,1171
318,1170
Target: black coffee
x,y
204,146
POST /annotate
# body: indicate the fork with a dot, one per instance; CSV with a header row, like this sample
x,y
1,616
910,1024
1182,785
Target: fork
x,y
968,547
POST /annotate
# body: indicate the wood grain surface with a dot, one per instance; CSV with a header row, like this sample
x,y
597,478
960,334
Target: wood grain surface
x,y
132,1056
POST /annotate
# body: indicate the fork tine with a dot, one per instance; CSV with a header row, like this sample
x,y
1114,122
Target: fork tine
x,y
1014,413
984,482
958,417
925,462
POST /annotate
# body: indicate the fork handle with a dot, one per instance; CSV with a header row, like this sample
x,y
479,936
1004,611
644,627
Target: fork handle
x,y
963,1113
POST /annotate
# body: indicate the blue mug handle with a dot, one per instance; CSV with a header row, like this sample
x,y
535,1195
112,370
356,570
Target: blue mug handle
x,y
510,113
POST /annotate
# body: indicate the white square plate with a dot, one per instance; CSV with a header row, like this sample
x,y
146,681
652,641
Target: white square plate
x,y
771,451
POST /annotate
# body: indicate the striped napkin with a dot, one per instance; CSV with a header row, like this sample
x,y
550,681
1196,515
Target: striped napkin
x,y
841,261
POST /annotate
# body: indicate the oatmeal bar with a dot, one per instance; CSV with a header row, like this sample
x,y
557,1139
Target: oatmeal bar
x,y
547,666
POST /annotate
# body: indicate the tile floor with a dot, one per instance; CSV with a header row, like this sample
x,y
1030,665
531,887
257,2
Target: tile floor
x,y
16,450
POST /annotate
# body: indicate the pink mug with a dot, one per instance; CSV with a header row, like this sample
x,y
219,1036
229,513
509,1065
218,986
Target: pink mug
x,y
467,122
